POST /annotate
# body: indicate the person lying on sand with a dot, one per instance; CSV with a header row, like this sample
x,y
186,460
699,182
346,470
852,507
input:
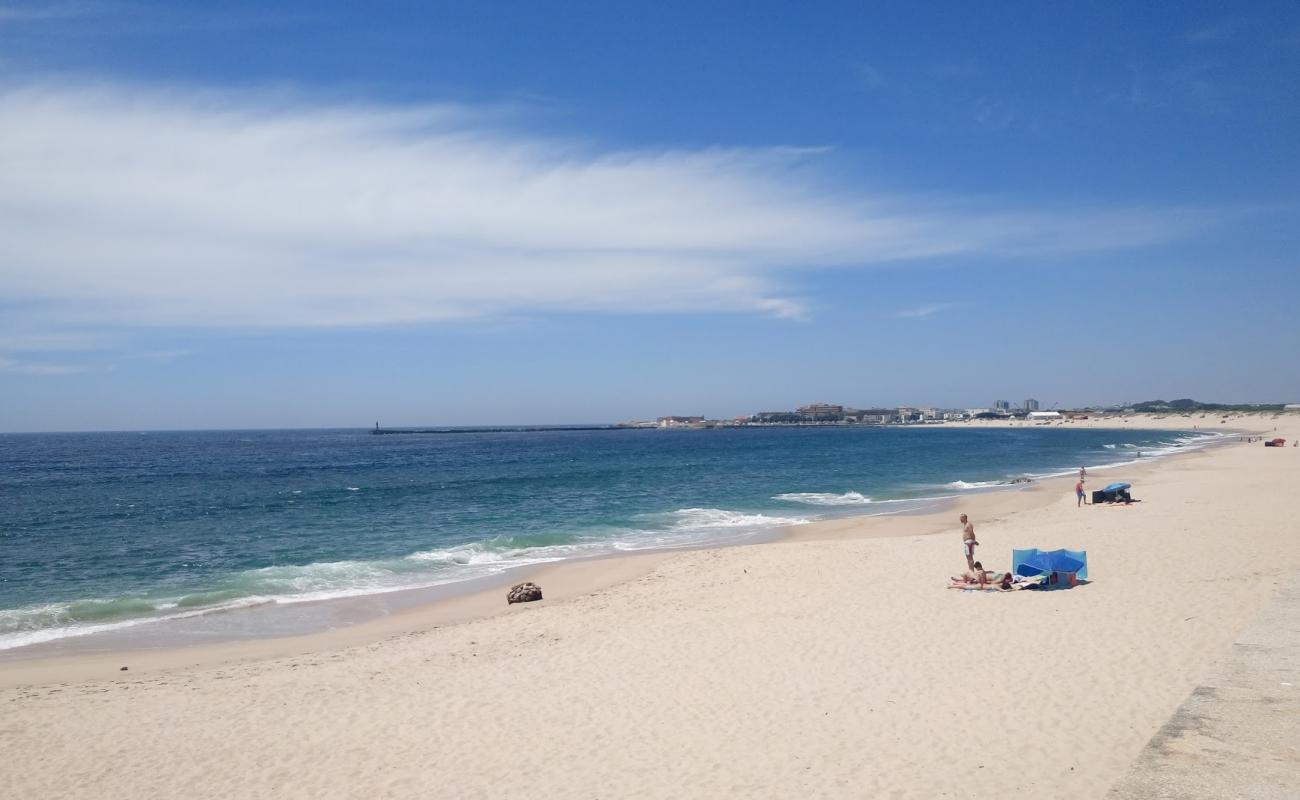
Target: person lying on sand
x,y
975,575
1002,581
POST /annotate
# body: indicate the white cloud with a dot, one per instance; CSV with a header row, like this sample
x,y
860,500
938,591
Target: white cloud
x,y
922,312
48,11
124,207
164,356
38,368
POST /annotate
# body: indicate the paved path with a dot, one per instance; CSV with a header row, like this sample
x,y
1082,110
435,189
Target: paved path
x,y
1238,735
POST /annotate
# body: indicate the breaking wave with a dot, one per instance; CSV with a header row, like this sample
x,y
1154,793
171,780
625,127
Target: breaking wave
x,y
825,498
699,519
976,484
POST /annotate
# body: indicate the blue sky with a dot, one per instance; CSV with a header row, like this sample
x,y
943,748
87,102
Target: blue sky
x,y
324,214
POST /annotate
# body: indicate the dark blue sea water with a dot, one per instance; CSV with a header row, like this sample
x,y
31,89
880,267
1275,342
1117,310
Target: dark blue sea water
x,y
103,531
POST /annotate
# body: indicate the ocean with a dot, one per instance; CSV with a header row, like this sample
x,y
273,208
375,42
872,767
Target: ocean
x,y
107,531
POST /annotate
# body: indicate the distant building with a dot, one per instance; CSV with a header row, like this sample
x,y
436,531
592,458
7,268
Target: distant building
x,y
909,414
679,422
1031,404
1002,405
1044,415
822,411
1291,407
776,417
877,416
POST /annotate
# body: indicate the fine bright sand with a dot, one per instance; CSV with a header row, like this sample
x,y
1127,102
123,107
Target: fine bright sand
x,y
834,663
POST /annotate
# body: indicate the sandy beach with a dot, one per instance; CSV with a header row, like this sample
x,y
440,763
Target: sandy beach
x,y
833,663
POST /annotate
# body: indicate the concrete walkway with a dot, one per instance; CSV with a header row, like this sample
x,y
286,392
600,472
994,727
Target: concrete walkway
x,y
1238,735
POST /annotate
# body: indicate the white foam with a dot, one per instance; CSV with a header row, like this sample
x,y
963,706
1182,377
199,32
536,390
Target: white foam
x,y
707,518
9,641
964,485
825,498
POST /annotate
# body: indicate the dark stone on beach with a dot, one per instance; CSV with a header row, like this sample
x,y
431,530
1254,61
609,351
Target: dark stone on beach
x,y
123,669
524,593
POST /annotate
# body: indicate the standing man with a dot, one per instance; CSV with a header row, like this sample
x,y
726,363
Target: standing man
x,y
968,542
1078,493
1083,473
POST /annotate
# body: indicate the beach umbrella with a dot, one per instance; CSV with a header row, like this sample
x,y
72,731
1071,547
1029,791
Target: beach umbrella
x,y
1050,561
1115,487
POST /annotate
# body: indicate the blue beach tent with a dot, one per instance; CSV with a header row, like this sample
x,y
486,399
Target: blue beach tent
x,y
1033,561
1115,487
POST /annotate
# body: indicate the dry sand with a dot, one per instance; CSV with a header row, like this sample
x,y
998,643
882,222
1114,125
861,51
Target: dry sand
x,y
835,663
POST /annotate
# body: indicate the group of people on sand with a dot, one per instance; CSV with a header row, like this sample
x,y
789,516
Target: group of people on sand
x,y
975,574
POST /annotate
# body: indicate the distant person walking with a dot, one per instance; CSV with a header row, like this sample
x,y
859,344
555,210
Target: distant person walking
x,y
968,542
1083,473
1078,493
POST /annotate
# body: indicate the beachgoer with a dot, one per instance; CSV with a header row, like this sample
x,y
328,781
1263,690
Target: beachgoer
x,y
968,542
1083,473
975,575
1007,580
1078,493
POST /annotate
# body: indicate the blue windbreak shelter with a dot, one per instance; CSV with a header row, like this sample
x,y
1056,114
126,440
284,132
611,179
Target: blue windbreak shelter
x,y
1115,487
1033,561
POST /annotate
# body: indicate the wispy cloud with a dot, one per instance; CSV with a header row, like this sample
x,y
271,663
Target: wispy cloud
x,y
1195,86
30,341
923,312
163,356
116,18
43,12
993,114
1219,31
132,208
868,76
38,367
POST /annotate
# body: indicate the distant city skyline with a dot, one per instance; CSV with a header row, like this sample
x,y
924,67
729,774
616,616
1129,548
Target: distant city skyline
x,y
323,214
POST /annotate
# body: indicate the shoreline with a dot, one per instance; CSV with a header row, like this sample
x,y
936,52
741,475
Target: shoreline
x,y
835,662
367,619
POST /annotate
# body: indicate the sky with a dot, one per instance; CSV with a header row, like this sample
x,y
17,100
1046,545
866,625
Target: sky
x,y
321,214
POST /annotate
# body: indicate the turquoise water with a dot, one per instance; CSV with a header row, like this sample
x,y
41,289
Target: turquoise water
x,y
103,531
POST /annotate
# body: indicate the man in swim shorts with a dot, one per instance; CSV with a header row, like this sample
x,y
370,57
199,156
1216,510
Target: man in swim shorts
x,y
968,542
1078,493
